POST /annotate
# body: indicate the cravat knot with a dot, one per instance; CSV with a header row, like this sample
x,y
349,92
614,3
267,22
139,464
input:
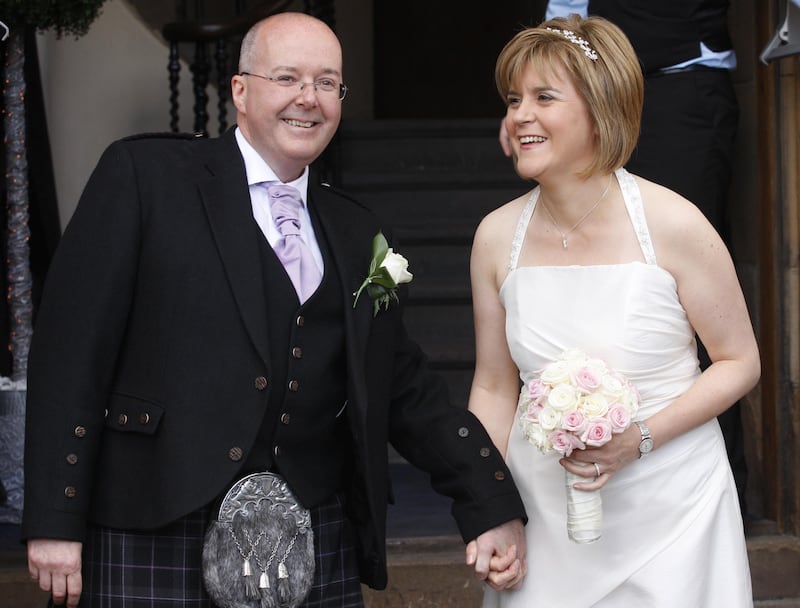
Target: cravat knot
x,y
296,257
285,205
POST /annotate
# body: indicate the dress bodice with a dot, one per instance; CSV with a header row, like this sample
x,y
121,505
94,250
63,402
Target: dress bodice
x,y
627,314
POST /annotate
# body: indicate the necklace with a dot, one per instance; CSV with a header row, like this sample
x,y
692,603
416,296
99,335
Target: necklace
x,y
580,221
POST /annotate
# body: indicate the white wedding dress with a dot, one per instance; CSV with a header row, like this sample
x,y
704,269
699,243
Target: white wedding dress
x,y
672,531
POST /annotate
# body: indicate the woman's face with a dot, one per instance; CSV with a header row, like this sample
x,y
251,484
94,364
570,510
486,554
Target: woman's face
x,y
549,126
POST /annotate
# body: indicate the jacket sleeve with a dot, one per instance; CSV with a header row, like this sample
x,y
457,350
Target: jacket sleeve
x,y
78,331
448,442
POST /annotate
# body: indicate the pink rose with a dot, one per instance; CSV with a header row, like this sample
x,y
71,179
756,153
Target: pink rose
x,y
587,379
564,442
597,433
574,421
619,417
532,413
537,390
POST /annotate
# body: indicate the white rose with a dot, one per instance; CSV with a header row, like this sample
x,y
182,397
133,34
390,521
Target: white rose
x,y
556,372
562,397
538,437
549,418
595,405
397,266
612,386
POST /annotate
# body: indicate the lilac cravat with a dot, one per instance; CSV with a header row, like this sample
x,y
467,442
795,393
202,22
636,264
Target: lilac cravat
x,y
294,254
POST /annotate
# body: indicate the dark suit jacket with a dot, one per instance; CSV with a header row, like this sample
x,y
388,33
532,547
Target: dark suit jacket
x,y
149,371
667,33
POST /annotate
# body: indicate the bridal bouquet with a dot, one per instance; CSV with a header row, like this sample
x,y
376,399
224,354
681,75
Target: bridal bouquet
x,y
577,401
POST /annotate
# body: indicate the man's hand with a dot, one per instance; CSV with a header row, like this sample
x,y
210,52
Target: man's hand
x,y
499,555
56,564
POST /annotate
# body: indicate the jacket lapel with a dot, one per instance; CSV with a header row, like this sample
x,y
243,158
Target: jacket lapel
x,y
226,199
351,248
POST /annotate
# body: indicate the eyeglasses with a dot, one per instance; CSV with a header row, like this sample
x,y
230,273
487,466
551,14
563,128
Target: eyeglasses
x,y
323,85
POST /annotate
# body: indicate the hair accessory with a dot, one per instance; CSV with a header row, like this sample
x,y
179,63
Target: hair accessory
x,y
575,39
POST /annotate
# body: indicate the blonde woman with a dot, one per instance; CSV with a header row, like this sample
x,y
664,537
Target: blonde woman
x,y
597,259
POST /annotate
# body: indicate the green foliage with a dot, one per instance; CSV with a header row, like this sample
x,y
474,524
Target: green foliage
x,y
62,16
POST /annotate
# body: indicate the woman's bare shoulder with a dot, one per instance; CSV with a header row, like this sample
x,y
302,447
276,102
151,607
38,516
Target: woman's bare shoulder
x,y
503,218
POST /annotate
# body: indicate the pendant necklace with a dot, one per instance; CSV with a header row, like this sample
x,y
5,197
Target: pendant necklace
x,y
580,221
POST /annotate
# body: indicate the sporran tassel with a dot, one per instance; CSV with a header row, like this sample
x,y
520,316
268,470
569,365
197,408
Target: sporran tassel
x,y
267,598
250,582
263,581
251,587
284,592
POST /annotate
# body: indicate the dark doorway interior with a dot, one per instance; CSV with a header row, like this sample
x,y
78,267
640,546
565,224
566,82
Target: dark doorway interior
x,y
435,59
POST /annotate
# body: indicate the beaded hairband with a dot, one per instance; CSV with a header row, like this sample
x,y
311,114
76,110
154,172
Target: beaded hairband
x,y
575,39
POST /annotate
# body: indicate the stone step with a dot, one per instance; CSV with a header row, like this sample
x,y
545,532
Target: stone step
x,y
430,573
380,155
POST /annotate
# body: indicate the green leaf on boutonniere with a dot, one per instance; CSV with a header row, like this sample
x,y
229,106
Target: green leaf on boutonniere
x,y
387,270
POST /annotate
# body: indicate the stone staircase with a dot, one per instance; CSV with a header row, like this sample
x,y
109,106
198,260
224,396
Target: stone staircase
x,y
432,182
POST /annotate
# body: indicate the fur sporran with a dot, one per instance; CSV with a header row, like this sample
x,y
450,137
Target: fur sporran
x,y
259,553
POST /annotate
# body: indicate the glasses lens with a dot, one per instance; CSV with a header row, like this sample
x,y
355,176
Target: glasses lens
x,y
326,85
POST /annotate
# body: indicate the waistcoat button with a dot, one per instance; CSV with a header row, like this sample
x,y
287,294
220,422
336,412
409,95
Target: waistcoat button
x,y
499,475
80,431
277,451
285,418
294,386
485,452
261,383
72,458
235,454
297,352
144,418
122,420
463,432
70,492
301,320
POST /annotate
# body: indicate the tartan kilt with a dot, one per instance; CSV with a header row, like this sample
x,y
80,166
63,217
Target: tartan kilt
x,y
164,568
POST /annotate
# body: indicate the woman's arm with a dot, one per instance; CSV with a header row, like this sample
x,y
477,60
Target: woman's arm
x,y
690,249
495,385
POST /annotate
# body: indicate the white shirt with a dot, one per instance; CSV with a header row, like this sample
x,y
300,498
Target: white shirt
x,y
707,57
259,171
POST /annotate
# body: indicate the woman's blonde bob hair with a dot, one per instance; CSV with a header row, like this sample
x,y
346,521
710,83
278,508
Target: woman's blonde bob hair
x,y
612,85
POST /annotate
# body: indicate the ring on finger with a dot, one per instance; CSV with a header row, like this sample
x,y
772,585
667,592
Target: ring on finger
x,y
597,469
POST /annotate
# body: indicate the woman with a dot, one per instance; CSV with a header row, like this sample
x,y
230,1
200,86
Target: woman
x,y
600,260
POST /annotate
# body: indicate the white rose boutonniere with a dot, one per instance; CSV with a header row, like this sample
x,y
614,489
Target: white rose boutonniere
x,y
387,270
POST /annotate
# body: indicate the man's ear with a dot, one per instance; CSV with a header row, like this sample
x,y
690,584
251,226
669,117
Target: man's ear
x,y
238,92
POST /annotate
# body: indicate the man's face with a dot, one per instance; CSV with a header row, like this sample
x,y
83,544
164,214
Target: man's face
x,y
290,127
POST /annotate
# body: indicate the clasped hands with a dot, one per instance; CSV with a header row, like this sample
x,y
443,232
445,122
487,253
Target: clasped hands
x,y
499,556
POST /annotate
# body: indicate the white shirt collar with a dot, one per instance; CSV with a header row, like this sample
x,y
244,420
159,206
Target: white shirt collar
x,y
258,170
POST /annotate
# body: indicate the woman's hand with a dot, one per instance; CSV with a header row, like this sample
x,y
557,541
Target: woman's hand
x,y
599,464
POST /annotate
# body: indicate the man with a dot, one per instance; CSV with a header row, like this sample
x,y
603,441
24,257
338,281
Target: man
x,y
174,354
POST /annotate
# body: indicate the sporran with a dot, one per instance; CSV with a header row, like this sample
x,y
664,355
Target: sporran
x,y
259,553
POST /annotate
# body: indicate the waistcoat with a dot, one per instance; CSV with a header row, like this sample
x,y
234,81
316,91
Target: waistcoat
x,y
304,434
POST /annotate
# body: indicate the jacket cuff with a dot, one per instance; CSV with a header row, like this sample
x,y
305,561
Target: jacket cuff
x,y
475,519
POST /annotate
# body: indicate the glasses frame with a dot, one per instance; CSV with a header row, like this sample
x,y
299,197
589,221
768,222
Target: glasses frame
x,y
342,87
